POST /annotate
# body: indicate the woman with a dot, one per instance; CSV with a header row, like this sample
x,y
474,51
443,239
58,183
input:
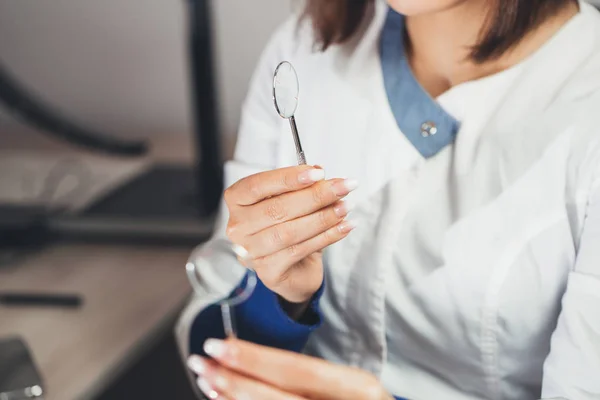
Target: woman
x,y
474,271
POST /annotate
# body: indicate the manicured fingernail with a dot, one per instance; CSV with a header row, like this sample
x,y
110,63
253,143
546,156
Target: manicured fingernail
x,y
311,176
342,188
196,364
341,209
346,226
215,348
207,389
240,251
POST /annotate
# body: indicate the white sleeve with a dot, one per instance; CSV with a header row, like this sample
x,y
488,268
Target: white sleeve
x,y
572,369
256,151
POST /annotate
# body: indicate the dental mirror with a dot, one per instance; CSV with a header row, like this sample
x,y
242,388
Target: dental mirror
x,y
285,96
222,255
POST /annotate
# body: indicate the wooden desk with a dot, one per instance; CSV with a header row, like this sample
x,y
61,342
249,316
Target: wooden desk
x,y
132,294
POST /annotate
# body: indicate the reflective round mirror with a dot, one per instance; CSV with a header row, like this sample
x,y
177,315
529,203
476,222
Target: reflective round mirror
x,y
222,255
285,89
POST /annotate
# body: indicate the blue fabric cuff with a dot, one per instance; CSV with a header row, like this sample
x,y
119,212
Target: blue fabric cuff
x,y
260,319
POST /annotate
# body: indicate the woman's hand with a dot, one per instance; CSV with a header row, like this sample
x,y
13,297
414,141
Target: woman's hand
x,y
284,218
244,371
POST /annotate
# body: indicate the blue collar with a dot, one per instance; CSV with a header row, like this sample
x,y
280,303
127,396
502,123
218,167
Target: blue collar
x,y
420,118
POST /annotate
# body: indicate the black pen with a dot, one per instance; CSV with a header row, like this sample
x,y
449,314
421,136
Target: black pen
x,y
40,299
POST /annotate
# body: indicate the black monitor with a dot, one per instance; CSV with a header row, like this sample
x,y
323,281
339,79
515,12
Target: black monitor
x,y
168,203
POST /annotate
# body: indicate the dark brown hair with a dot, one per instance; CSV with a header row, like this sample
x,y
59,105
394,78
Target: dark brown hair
x,y
336,21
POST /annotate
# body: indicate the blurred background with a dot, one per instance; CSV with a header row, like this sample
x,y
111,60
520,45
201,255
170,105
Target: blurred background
x,y
115,119
121,65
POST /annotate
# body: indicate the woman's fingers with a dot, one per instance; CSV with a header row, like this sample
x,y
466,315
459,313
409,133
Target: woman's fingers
x,y
273,267
288,206
284,235
295,373
217,382
258,187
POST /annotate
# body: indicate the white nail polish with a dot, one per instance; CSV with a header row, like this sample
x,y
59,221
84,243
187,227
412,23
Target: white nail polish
x,y
347,226
316,174
311,176
196,364
351,184
239,251
207,389
341,209
215,348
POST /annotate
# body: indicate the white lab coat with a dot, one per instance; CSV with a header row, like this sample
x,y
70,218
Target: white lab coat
x,y
474,274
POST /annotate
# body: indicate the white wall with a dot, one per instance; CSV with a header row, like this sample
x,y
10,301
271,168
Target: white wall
x,y
120,65
242,29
